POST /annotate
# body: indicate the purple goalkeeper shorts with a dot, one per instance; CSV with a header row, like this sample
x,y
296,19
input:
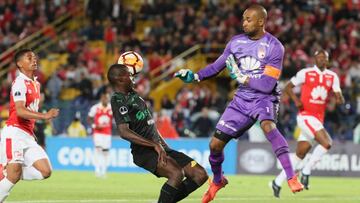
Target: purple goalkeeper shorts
x,y
240,115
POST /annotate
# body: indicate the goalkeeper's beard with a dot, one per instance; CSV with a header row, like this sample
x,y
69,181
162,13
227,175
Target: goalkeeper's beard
x,y
251,34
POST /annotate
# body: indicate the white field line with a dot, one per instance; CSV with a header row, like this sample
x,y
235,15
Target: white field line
x,y
310,199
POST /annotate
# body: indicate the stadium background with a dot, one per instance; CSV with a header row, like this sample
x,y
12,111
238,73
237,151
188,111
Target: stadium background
x,y
78,39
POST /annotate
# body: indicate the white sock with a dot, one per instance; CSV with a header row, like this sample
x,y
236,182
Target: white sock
x,y
31,173
296,161
97,161
5,187
105,159
317,154
101,163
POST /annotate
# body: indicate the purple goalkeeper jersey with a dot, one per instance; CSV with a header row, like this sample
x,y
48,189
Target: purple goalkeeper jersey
x,y
260,59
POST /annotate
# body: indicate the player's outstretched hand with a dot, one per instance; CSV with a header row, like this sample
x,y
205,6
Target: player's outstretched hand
x,y
187,75
162,154
52,113
234,70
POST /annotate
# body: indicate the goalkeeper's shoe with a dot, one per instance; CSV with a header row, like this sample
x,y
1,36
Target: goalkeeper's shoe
x,y
213,189
295,185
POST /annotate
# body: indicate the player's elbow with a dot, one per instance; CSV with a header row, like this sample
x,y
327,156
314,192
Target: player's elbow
x,y
20,112
123,132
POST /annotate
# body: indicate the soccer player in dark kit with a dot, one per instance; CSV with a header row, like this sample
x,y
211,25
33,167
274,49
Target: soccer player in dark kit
x,y
255,60
136,125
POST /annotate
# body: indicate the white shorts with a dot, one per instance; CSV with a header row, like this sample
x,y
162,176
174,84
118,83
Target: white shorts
x,y
308,126
18,146
103,141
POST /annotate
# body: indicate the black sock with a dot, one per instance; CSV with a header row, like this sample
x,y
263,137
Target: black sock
x,y
167,194
187,186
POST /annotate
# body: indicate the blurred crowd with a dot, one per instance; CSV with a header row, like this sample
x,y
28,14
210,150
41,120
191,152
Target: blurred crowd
x,y
19,19
302,26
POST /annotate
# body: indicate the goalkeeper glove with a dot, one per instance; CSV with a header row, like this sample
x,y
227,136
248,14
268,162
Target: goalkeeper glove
x,y
234,70
187,75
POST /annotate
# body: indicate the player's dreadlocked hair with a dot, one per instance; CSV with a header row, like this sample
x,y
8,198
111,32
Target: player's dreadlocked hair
x,y
115,71
19,54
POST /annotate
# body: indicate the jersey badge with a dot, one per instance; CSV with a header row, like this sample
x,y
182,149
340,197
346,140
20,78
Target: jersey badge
x,y
123,110
328,83
261,52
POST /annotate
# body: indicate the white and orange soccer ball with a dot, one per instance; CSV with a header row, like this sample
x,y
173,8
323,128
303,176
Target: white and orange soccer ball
x,y
133,61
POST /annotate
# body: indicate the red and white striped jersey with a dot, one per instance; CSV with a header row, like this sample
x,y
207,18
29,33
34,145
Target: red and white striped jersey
x,y
24,89
316,85
102,118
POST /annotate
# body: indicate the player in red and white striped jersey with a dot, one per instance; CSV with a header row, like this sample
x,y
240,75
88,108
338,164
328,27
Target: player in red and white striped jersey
x,y
20,156
316,83
100,117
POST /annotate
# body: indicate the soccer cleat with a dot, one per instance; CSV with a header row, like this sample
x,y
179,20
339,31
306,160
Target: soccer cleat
x,y
276,189
305,180
295,185
213,189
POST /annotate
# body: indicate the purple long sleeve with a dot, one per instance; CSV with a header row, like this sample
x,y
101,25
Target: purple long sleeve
x,y
213,69
217,66
263,84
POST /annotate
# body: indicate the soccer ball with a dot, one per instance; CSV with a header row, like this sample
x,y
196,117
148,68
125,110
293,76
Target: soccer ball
x,y
133,61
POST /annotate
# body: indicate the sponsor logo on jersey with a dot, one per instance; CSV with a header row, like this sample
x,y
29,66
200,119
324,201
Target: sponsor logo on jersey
x,y
123,110
18,154
141,115
249,63
222,123
135,105
104,120
150,122
241,41
264,44
318,95
329,76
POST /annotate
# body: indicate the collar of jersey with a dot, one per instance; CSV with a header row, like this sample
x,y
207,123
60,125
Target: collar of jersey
x,y
317,69
23,76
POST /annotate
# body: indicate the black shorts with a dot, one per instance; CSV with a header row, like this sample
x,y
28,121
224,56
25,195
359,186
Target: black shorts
x,y
147,158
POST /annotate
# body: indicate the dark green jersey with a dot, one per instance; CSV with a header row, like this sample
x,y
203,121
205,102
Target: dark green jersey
x,y
131,108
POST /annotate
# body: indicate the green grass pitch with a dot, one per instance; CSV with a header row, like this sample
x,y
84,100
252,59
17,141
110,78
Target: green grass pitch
x,y
83,187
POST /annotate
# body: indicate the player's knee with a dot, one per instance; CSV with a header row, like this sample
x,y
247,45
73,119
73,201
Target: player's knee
x,y
46,173
216,147
201,176
178,176
267,126
327,145
300,154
